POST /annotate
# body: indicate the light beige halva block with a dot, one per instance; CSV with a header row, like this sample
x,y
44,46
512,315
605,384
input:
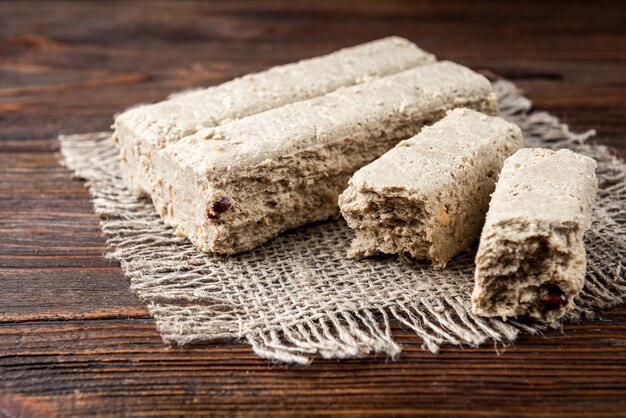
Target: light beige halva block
x,y
233,187
531,258
142,131
428,196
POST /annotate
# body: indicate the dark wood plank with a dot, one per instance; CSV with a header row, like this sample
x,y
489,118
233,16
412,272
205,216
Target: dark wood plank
x,y
75,341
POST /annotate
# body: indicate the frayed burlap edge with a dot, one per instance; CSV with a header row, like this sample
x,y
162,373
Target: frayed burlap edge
x,y
298,296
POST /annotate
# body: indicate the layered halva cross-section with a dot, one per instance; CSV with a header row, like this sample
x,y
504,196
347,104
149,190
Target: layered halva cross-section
x,y
428,196
531,258
233,187
142,131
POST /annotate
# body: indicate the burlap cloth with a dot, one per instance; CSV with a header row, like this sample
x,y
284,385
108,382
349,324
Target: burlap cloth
x,y
299,295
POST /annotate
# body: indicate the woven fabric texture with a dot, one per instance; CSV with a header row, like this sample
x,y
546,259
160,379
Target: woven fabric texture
x,y
299,295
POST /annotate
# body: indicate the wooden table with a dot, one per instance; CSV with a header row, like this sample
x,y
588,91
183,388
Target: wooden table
x,y
75,341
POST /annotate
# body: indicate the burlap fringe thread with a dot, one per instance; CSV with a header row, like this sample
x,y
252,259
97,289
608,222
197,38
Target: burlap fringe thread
x,y
299,296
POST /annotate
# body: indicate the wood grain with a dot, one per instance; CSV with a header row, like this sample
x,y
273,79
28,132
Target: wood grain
x,y
75,341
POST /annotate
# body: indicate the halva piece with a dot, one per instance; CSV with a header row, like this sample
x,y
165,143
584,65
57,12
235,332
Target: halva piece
x,y
233,187
142,131
428,196
531,257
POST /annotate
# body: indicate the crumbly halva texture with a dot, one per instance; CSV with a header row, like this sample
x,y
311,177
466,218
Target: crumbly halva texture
x,y
233,187
531,257
142,131
428,196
